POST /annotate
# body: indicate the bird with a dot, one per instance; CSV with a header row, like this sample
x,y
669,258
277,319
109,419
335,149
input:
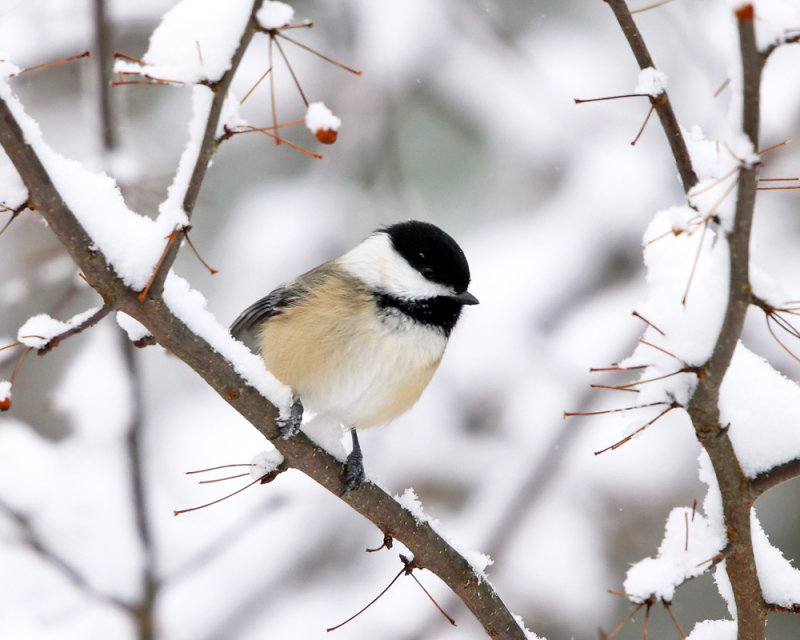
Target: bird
x,y
359,337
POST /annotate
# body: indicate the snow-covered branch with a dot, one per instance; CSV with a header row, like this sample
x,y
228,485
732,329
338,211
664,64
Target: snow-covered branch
x,y
176,319
704,405
188,193
728,536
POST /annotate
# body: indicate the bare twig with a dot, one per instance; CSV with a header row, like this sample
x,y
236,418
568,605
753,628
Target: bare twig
x,y
630,436
627,619
92,320
48,65
647,8
317,53
668,607
661,103
766,480
369,604
793,39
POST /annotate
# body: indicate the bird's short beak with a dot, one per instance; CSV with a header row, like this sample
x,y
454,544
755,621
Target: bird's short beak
x,y
465,298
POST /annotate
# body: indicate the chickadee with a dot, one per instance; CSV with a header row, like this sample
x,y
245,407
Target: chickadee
x,y
358,338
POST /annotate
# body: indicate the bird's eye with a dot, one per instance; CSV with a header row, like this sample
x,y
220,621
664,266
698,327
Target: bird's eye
x,y
427,273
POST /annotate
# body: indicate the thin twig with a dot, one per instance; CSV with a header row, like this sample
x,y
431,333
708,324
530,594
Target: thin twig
x,y
770,478
268,132
178,512
657,348
317,53
92,320
629,437
647,8
674,621
662,104
277,135
616,97
627,619
641,131
371,602
570,414
722,87
291,71
253,88
48,65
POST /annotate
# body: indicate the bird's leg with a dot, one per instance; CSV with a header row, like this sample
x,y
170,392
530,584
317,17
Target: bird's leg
x,y
289,427
354,467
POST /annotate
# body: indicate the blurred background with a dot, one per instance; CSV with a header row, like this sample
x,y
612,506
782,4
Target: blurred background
x,y
464,116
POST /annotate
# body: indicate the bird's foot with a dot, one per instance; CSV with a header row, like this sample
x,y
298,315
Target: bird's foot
x,y
353,474
290,426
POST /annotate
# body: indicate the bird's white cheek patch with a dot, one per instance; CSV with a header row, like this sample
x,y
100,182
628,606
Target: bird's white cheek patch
x,y
379,266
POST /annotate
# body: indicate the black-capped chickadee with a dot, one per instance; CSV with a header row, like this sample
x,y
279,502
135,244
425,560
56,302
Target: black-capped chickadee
x,y
358,338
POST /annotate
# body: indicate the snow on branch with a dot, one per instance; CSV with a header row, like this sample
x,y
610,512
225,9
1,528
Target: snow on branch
x,y
742,410
195,42
108,250
42,332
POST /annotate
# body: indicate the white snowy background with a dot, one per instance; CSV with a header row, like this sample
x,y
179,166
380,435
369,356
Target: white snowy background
x,y
464,116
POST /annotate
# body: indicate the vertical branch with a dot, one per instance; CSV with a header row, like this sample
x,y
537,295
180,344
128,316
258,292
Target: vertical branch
x,y
102,45
735,487
703,408
144,610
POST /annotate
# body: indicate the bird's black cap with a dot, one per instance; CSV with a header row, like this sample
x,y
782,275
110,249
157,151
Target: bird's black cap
x,y
432,252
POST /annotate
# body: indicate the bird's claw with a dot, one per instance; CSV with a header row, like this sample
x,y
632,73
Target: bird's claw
x,y
290,426
353,474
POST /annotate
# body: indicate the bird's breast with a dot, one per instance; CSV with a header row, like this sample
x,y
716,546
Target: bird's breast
x,y
347,360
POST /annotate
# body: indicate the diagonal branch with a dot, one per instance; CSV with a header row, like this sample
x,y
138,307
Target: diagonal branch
x,y
793,39
766,480
430,550
38,546
661,103
208,145
92,320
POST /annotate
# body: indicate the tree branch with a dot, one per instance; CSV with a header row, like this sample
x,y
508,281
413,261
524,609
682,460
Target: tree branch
x,y
102,45
795,39
737,499
92,320
766,480
429,549
208,145
661,103
144,609
33,541
703,409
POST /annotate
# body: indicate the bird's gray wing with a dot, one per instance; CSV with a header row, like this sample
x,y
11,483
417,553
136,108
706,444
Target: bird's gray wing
x,y
246,327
